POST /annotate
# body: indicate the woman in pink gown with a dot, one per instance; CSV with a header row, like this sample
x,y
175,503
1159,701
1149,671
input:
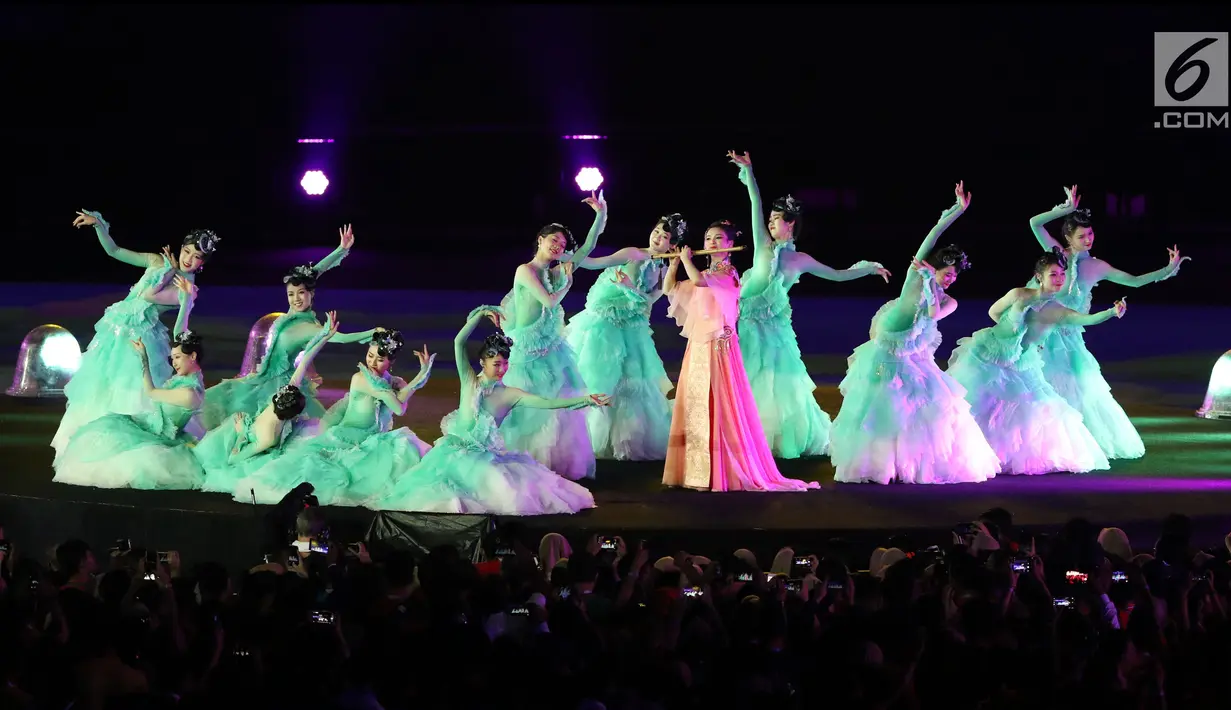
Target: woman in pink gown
x,y
716,441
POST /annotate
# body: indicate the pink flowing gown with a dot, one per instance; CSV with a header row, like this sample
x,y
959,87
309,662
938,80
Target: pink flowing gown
x,y
716,441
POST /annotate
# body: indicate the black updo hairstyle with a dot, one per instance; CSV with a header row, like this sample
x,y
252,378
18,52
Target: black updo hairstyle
x,y
792,213
675,226
728,227
190,343
570,244
1055,256
388,343
496,344
1075,221
302,276
289,402
205,240
951,255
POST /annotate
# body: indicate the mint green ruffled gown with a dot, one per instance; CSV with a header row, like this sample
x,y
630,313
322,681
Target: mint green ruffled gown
x,y
287,339
148,450
794,422
1074,373
1032,429
110,379
470,471
542,363
902,418
614,346
354,458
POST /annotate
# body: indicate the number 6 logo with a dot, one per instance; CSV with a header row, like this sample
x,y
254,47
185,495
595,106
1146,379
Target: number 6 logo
x,y
1180,67
1191,69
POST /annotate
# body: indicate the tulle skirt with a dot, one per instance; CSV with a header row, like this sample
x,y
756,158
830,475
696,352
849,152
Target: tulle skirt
x,y
557,438
616,356
110,379
902,419
460,477
1077,377
346,466
113,451
1029,426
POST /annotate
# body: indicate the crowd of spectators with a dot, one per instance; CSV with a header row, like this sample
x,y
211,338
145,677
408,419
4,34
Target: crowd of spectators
x,y
997,619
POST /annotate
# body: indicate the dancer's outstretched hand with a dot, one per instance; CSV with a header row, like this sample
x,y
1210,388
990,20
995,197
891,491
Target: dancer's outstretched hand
x,y
568,267
963,197
166,252
185,286
332,323
622,278
1173,257
140,348
926,268
744,161
883,273
1121,307
597,201
84,219
495,318
347,236
600,400
1073,200
424,357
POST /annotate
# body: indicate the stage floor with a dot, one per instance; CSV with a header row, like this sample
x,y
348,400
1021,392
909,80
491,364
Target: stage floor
x,y
1187,467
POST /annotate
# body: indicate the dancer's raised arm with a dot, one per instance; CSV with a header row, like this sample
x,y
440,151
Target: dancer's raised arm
x,y
627,255
808,265
464,370
599,204
762,244
526,277
425,372
1103,271
186,293
347,240
1039,221
86,218
947,218
360,337
314,347
178,396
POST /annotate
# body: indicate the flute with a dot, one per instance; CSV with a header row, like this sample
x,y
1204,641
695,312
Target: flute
x,y
703,252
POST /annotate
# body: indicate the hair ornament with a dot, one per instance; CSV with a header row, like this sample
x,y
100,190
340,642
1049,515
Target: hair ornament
x,y
286,397
204,239
300,273
496,344
186,337
387,342
955,257
734,231
790,205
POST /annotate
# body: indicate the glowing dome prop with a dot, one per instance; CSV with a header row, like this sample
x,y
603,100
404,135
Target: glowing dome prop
x,y
48,359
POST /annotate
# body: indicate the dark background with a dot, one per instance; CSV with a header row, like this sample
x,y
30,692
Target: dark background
x,y
447,124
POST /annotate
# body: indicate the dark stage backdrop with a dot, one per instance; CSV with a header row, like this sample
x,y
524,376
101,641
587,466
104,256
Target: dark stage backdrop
x,y
447,121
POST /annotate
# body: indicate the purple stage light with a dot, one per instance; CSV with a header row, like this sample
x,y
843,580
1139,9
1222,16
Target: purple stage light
x,y
314,140
589,179
584,137
314,182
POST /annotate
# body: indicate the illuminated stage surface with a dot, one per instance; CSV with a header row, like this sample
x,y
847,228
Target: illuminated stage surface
x,y
1187,467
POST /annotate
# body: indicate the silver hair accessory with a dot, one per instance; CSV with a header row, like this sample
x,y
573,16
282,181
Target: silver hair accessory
x,y
1083,213
958,260
205,239
184,337
388,342
793,205
286,396
301,273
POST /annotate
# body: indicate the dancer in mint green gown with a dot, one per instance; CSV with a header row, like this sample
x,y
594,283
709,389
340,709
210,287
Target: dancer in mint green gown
x,y
542,363
148,450
615,351
902,419
792,419
287,338
469,470
1032,429
357,453
1067,363
109,379
240,447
